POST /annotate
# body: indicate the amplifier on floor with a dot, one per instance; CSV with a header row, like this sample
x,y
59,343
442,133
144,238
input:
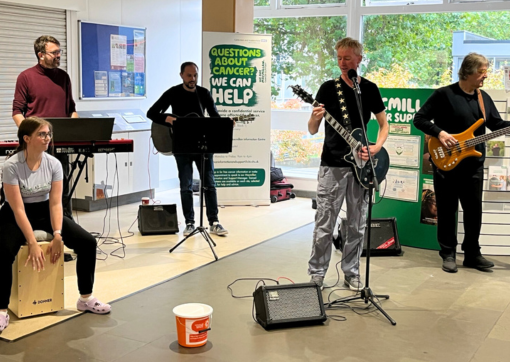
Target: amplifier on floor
x,y
278,306
157,219
384,238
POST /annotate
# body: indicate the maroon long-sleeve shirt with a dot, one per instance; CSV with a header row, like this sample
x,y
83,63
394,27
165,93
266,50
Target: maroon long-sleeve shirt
x,y
43,92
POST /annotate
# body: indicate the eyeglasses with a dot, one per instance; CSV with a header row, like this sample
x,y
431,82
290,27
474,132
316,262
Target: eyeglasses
x,y
45,135
56,52
482,71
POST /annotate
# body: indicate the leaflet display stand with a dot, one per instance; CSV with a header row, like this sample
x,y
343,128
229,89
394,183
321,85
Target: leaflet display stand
x,y
202,136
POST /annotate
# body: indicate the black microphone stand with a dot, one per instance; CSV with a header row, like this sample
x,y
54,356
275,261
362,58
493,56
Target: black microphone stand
x,y
366,293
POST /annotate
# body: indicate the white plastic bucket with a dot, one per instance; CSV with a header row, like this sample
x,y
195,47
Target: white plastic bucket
x,y
193,321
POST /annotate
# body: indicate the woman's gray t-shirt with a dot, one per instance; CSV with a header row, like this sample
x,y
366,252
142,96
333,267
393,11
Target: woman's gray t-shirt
x,y
35,185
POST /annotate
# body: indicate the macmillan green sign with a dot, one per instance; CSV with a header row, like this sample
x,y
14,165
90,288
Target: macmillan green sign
x,y
401,106
233,75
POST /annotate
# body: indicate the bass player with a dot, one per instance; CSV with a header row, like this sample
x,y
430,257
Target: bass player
x,y
336,180
454,109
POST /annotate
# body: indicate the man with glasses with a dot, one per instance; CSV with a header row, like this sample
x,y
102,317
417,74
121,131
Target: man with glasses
x,y
454,109
45,91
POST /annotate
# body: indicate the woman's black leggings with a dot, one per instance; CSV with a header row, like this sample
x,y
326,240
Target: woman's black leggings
x,y
73,235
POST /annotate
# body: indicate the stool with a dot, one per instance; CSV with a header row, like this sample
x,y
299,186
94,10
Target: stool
x,y
33,292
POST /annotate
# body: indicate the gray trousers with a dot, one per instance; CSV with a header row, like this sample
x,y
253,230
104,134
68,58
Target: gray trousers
x,y
336,184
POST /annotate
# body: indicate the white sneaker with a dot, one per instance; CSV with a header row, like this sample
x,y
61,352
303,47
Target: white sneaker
x,y
319,280
354,283
189,229
217,229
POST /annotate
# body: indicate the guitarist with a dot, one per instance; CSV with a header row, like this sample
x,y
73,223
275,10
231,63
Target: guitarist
x,y
454,109
187,98
336,180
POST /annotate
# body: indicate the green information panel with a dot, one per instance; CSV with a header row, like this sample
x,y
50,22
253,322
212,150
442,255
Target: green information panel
x,y
408,193
239,177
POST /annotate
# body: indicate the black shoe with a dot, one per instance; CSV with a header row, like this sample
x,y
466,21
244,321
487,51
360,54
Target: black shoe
x,y
478,262
449,265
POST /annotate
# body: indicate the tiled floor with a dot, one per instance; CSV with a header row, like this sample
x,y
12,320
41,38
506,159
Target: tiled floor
x,y
440,317
147,261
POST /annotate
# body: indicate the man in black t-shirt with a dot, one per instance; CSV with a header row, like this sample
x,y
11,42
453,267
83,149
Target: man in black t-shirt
x,y
336,180
454,109
190,99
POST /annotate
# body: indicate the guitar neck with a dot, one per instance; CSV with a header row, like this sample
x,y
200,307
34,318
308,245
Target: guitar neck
x,y
484,138
338,127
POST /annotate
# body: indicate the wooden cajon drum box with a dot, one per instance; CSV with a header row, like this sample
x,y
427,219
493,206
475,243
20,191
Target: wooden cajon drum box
x,y
35,292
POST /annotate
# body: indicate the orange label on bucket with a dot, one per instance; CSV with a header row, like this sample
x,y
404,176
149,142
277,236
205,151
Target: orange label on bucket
x,y
200,325
188,331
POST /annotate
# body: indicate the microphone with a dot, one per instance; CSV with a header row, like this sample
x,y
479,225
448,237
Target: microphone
x,y
352,75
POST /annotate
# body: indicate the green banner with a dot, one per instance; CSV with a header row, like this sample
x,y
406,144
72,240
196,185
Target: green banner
x,y
233,74
401,106
239,177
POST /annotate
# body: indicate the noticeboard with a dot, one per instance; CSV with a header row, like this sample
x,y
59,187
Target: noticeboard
x,y
112,61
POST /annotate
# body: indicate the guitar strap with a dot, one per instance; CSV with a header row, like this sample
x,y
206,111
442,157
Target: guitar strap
x,y
346,120
480,102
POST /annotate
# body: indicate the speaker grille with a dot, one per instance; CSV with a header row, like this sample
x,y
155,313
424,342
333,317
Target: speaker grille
x,y
157,219
293,303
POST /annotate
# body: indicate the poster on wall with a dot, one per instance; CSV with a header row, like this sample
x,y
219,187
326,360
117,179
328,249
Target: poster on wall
x,y
401,184
496,147
112,61
237,72
403,150
428,214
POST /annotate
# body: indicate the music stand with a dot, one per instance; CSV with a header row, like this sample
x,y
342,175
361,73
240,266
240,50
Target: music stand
x,y
202,136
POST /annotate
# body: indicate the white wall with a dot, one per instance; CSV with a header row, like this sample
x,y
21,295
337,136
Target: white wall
x,y
174,35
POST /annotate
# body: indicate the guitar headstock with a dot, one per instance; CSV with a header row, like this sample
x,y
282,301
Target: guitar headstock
x,y
301,93
246,118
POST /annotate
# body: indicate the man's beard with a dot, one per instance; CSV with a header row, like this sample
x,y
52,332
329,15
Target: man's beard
x,y
53,63
190,86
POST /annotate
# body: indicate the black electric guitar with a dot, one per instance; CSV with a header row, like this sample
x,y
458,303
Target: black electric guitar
x,y
356,141
162,134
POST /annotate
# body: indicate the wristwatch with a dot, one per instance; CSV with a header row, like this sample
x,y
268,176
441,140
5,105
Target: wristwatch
x,y
57,232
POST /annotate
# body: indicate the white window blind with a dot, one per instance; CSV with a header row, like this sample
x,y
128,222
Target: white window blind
x,y
20,26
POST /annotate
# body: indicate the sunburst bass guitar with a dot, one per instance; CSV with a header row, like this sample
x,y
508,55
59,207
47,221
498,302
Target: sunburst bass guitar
x,y
356,141
447,159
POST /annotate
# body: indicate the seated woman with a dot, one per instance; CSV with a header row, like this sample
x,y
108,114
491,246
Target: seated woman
x,y
32,184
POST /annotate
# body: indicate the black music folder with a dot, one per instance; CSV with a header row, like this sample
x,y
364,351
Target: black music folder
x,y
82,129
202,135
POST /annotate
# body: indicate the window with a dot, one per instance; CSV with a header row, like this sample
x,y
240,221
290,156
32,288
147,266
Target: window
x,y
261,2
400,2
475,1
303,53
312,2
416,50
296,149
